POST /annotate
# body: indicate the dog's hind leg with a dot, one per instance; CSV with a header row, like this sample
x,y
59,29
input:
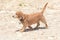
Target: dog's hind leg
x,y
44,21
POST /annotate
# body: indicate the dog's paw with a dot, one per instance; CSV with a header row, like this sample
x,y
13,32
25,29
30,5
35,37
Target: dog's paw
x,y
46,27
21,30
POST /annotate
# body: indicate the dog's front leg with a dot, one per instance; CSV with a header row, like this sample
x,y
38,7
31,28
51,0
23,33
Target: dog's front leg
x,y
23,29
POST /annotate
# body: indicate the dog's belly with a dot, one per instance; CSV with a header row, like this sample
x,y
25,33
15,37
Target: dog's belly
x,y
33,21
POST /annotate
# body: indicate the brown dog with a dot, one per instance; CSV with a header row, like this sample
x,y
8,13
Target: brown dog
x,y
28,19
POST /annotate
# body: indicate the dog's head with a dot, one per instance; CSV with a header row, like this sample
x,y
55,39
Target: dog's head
x,y
19,15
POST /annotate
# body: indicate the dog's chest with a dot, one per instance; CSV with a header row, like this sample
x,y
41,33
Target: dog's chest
x,y
22,21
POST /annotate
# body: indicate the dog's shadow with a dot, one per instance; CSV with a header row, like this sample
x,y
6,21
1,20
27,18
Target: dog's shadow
x,y
35,29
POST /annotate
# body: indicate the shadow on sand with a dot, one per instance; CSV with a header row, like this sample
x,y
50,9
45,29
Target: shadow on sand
x,y
33,29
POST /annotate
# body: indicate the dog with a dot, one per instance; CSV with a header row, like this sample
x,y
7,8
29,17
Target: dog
x,y
28,19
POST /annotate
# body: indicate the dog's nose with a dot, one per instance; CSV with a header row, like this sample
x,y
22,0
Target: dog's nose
x,y
12,16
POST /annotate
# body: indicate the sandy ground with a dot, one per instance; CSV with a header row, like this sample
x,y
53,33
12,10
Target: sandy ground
x,y
9,25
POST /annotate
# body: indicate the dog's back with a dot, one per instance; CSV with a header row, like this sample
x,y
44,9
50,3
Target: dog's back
x,y
34,18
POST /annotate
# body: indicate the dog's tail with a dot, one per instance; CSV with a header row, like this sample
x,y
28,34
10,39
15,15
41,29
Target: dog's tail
x,y
44,8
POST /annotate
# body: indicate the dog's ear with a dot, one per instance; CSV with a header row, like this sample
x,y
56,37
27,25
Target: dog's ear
x,y
21,18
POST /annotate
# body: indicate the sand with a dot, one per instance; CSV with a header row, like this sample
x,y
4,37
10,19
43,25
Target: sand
x,y
9,25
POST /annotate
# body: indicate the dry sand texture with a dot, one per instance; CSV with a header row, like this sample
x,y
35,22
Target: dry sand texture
x,y
8,25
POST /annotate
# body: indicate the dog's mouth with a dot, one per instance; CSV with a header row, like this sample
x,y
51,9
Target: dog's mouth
x,y
20,18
